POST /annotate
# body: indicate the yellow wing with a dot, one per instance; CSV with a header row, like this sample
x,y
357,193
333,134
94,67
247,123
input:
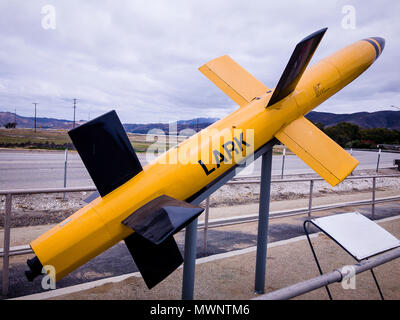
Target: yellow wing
x,y
317,150
233,80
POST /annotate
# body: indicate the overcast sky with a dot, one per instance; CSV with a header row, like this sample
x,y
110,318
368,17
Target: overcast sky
x,y
141,57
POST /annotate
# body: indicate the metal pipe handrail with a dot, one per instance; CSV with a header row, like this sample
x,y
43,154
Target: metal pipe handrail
x,y
288,213
328,278
47,190
242,181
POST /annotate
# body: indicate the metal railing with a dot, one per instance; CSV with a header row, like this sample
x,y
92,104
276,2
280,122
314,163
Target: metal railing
x,y
273,215
7,224
328,278
25,249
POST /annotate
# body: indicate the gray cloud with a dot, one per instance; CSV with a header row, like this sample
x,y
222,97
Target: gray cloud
x,y
141,57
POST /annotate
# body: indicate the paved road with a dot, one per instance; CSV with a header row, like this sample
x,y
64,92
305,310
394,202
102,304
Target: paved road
x,y
30,169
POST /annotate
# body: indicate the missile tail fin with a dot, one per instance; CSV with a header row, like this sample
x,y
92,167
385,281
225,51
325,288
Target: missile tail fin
x,y
155,262
317,150
296,66
233,80
106,152
152,245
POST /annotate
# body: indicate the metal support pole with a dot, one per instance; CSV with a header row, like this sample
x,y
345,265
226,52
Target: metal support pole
x,y
6,247
373,197
283,161
310,198
379,157
190,261
206,225
73,126
35,103
65,170
262,237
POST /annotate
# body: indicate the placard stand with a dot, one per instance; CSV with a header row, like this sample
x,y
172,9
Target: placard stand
x,y
359,236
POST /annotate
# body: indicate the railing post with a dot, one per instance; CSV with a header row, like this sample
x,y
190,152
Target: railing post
x,y
310,198
206,226
379,157
351,153
65,170
373,197
283,161
6,247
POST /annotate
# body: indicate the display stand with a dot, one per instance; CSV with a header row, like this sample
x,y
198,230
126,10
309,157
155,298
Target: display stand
x,y
191,230
359,236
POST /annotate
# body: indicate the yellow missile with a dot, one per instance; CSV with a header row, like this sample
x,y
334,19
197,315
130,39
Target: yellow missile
x,y
146,206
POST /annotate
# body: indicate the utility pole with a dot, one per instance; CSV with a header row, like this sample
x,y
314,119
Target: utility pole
x,y
15,117
73,126
35,103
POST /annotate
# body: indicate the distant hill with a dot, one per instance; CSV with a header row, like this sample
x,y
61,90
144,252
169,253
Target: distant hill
x,y
29,122
195,124
379,119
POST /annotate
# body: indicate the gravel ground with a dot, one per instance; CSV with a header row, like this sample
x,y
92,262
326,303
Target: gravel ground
x,y
41,209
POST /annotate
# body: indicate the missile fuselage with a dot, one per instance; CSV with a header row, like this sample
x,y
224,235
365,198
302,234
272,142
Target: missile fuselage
x,y
187,168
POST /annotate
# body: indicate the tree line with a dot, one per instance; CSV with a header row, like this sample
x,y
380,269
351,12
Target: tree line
x,y
350,135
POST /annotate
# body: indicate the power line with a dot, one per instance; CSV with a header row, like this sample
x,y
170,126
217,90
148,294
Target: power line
x,y
35,103
73,126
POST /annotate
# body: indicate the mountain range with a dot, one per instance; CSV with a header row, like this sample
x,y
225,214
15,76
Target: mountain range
x,y
379,119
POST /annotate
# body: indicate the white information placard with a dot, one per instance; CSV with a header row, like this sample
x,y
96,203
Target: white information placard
x,y
359,235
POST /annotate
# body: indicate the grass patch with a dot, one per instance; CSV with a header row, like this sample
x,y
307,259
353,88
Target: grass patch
x,y
53,139
59,140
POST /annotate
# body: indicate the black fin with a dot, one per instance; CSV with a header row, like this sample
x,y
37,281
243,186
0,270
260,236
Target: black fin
x,y
298,62
161,218
155,262
106,152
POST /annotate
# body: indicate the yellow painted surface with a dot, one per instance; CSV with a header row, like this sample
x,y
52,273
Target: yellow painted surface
x,y
98,226
233,80
317,150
